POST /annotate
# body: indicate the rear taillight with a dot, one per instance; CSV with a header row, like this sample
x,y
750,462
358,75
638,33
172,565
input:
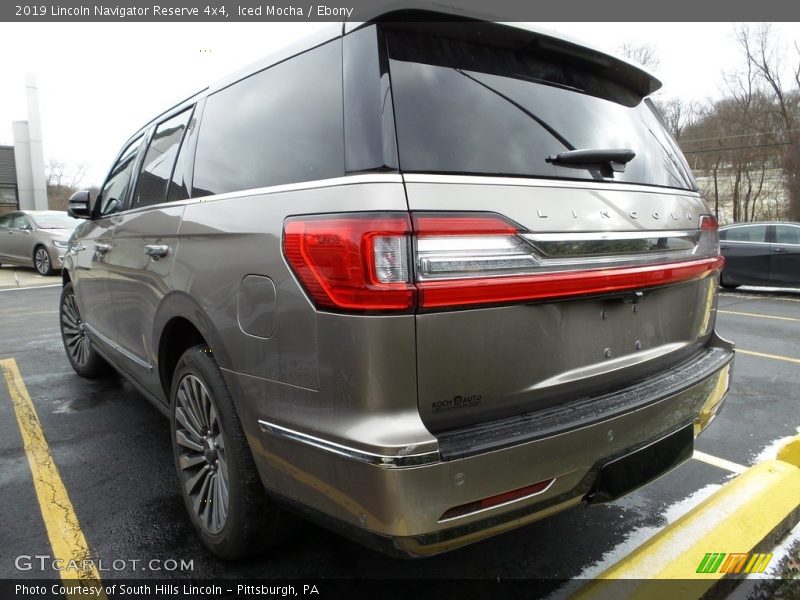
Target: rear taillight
x,y
393,262
357,262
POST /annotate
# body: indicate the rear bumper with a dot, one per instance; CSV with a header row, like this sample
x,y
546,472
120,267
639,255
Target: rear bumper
x,y
396,502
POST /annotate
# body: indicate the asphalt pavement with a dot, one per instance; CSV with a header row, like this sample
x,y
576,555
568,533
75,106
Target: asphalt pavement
x,y
112,450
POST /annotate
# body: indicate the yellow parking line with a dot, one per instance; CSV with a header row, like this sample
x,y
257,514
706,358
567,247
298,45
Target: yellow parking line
x,y
63,530
765,355
747,314
719,462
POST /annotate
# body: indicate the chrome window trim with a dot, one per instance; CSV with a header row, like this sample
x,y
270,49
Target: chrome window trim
x,y
362,179
546,183
378,460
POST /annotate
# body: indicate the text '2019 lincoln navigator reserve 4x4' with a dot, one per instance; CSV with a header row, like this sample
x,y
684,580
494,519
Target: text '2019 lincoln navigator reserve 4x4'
x,y
423,281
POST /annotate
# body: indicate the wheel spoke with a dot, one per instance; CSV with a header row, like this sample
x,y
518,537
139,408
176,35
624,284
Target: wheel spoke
x,y
187,461
180,416
201,475
187,442
192,408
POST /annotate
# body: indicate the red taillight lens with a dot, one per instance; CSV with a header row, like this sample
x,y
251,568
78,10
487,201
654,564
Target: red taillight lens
x,y
362,262
492,501
708,222
356,262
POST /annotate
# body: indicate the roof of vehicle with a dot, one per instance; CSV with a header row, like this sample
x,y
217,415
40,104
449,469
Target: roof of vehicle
x,y
607,64
43,212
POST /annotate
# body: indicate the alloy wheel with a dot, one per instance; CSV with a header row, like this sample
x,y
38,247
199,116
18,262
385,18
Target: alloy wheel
x,y
201,446
41,261
72,327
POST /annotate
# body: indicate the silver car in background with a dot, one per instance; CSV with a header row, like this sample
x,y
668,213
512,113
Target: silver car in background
x,y
36,238
422,282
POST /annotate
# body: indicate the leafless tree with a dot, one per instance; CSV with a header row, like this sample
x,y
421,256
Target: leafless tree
x,y
644,54
767,59
62,182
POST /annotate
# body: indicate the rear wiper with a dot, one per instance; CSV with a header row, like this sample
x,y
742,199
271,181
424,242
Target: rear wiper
x,y
614,158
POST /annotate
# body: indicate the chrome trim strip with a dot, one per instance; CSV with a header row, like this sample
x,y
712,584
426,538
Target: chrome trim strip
x,y
546,183
378,460
275,189
603,236
309,185
126,353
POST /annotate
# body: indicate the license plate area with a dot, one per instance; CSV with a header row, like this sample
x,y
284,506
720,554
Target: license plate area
x,y
627,472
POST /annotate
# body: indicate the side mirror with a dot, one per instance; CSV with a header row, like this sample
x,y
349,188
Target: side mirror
x,y
79,205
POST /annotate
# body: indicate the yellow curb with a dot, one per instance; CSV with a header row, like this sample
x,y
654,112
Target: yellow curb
x,y
790,452
749,512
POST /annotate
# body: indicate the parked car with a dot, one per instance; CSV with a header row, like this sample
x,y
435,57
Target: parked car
x,y
766,254
421,282
35,238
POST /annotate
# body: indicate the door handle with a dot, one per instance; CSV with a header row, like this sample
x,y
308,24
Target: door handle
x,y
724,247
102,248
156,250
779,250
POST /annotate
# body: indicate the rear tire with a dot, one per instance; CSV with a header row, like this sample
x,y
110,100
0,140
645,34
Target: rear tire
x,y
41,261
80,353
219,482
727,285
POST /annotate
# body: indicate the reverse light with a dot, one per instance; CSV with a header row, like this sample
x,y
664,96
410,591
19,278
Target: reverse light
x,y
708,243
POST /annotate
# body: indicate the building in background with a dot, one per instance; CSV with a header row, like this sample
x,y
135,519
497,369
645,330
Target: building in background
x,y
22,179
8,180
28,153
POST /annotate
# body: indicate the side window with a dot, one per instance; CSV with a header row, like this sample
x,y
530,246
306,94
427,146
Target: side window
x,y
177,187
787,234
281,125
5,222
112,196
159,160
20,222
747,233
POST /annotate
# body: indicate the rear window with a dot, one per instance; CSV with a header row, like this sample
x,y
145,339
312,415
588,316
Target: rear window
x,y
462,107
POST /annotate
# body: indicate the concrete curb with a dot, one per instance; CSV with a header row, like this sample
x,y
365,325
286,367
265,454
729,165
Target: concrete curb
x,y
748,515
12,278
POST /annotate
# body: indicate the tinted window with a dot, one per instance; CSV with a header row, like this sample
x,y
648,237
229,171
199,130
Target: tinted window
x,y
178,187
787,234
5,221
112,196
748,233
463,107
370,141
20,222
282,125
151,187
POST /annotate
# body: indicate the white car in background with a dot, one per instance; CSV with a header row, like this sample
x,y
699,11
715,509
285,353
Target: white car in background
x,y
35,238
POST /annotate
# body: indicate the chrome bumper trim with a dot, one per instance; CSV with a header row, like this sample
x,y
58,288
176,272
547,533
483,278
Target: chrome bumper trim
x,y
400,461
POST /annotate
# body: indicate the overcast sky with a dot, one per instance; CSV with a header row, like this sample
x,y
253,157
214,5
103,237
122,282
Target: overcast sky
x,y
100,82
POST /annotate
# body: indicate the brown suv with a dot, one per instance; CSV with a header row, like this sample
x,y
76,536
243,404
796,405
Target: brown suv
x,y
421,281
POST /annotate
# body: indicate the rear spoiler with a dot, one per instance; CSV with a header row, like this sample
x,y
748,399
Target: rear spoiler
x,y
474,27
